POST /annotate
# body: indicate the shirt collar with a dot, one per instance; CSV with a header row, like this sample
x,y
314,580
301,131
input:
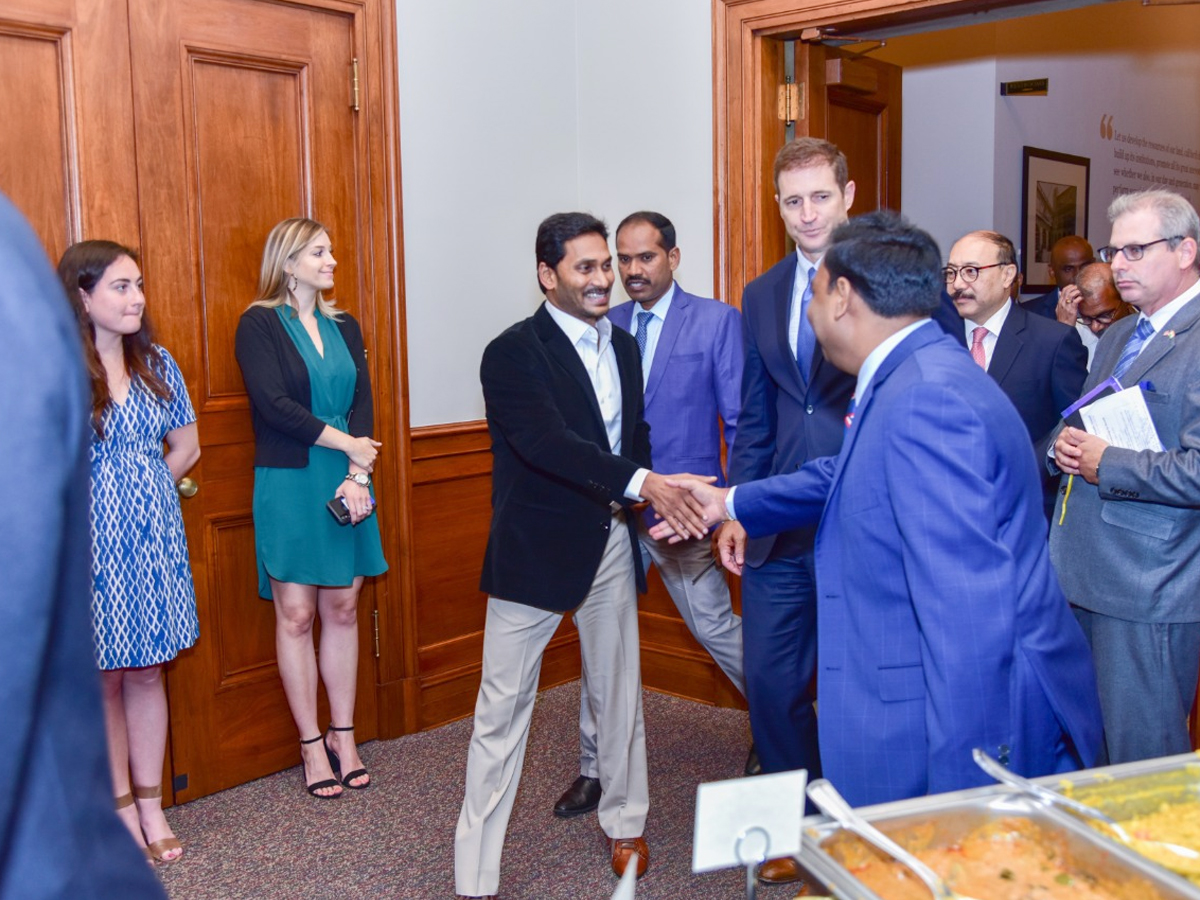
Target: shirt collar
x,y
876,357
1160,319
577,329
994,324
660,308
805,263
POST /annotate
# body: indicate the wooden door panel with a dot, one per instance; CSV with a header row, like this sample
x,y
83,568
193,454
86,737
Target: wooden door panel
x,y
243,118
66,157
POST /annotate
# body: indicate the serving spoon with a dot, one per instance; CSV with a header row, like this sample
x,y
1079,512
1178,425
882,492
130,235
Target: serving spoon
x,y
1175,857
834,805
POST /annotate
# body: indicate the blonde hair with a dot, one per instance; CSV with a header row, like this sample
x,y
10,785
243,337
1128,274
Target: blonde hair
x,y
285,242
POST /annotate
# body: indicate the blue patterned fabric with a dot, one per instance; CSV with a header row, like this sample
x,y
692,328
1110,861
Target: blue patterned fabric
x,y
143,601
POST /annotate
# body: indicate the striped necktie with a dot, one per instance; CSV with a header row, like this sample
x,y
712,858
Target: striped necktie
x,y
805,339
1133,346
643,332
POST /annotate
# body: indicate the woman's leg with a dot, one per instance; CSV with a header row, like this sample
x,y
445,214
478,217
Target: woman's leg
x,y
295,612
117,736
339,668
146,724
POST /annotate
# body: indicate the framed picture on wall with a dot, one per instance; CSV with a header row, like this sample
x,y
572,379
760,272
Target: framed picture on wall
x,y
1054,204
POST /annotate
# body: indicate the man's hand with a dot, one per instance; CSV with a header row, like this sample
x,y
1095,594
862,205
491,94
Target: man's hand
x,y
672,502
1067,310
1078,453
729,546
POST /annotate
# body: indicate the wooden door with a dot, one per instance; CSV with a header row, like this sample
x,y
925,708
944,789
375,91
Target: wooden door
x,y
66,145
856,103
243,116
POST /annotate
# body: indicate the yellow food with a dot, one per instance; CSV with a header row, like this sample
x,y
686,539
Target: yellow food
x,y
1008,859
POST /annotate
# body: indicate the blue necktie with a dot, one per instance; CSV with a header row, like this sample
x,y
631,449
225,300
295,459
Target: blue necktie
x,y
805,340
1133,347
850,411
643,332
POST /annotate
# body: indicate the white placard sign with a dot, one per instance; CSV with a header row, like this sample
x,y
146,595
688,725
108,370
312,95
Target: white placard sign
x,y
746,820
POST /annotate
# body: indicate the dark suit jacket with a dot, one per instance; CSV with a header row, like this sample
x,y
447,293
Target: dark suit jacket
x,y
1041,365
59,835
554,477
955,634
1045,305
787,417
694,382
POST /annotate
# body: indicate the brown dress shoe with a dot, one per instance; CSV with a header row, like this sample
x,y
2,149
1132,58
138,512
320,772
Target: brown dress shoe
x,y
581,797
782,870
625,848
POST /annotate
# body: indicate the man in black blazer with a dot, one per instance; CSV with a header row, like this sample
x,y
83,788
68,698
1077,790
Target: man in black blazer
x,y
1038,362
571,454
59,834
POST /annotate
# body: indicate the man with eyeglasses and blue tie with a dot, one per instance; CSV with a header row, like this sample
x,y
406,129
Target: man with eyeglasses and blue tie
x,y
1038,362
1126,538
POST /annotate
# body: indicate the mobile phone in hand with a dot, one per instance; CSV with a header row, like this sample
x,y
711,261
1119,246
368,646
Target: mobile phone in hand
x,y
337,508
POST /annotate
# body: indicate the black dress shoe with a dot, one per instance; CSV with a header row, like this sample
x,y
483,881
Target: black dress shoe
x,y
753,766
581,797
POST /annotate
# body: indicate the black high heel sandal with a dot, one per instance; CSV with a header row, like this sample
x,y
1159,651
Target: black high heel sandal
x,y
335,763
320,785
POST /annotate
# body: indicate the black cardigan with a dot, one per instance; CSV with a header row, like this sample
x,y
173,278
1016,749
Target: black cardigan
x,y
280,393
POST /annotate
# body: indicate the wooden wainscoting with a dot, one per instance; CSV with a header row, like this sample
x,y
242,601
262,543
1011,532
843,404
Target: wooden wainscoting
x,y
451,511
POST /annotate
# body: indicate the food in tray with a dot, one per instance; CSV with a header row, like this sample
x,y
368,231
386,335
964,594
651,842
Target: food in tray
x,y
1004,859
1174,823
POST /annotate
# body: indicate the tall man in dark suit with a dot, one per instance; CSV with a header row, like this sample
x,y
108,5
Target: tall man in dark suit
x,y
1040,364
793,401
59,835
1125,536
941,624
1067,257
571,452
691,350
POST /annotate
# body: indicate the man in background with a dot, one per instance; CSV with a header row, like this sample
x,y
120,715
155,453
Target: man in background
x,y
1039,363
59,834
1092,304
1067,257
691,352
793,403
1125,535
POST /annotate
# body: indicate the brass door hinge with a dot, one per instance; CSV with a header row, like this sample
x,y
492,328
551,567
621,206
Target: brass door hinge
x,y
354,83
375,620
791,102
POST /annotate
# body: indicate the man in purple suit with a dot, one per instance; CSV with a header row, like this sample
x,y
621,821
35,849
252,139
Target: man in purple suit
x,y
691,350
941,623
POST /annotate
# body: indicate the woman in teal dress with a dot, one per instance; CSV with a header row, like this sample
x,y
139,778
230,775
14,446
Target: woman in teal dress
x,y
305,370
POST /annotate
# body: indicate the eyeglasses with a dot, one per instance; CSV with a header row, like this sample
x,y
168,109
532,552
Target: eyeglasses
x,y
1133,252
1105,318
968,273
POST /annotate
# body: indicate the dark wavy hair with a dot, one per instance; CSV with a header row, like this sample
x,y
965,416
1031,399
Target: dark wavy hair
x,y
554,232
893,265
81,268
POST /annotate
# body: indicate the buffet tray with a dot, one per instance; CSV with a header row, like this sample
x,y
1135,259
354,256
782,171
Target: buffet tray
x,y
1132,789
943,818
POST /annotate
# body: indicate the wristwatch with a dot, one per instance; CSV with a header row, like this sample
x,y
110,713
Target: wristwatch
x,y
360,478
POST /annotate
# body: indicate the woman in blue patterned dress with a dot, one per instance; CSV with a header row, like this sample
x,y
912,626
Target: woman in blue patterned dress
x,y
305,370
143,602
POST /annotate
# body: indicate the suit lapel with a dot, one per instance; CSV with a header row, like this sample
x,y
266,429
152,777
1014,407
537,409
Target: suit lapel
x,y
625,352
558,345
783,302
1008,343
672,325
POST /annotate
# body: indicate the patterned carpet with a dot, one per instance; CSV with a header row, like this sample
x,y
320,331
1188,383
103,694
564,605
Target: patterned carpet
x,y
395,840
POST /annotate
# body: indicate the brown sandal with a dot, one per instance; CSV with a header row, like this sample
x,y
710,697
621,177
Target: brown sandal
x,y
126,800
158,850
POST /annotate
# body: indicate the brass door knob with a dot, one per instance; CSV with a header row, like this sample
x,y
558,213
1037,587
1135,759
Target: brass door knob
x,y
187,487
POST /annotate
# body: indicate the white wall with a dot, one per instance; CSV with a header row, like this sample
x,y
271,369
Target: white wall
x,y
512,111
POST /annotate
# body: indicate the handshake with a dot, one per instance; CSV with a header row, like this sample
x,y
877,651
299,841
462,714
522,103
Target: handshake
x,y
690,506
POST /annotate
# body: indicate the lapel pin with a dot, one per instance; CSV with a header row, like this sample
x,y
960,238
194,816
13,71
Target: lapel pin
x,y
1170,333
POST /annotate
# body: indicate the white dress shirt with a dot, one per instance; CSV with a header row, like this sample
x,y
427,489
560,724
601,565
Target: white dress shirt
x,y
654,328
594,346
993,325
806,270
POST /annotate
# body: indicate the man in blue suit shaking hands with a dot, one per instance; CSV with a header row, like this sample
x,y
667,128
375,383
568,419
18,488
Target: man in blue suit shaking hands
x,y
941,625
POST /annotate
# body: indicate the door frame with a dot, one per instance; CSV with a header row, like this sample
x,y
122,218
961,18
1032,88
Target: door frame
x,y
747,68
